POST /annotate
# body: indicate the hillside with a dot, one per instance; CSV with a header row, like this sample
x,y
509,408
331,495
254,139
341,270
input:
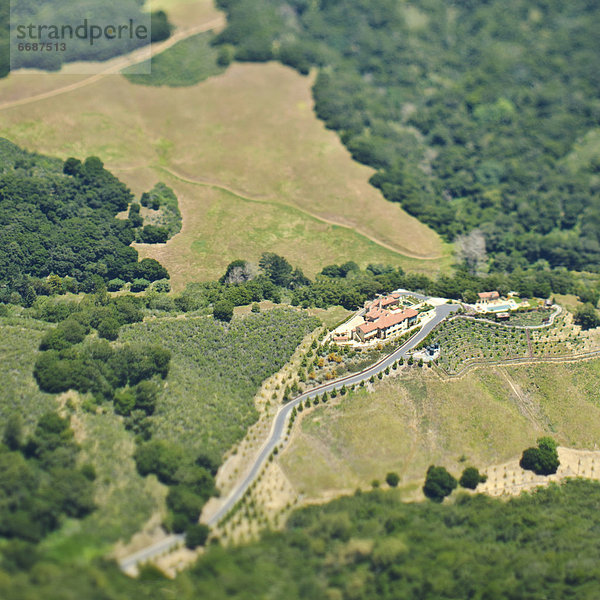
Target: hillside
x,y
485,417
476,115
300,195
373,546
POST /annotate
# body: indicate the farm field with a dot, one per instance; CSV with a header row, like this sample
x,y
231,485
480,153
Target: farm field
x,y
219,144
417,419
463,341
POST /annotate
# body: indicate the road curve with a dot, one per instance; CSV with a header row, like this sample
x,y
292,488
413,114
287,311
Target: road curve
x,y
278,430
280,423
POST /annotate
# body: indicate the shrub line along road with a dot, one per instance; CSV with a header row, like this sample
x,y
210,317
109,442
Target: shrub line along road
x,y
279,428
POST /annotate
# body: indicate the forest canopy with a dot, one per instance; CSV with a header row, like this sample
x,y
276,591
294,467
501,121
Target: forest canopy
x,y
476,115
59,220
371,545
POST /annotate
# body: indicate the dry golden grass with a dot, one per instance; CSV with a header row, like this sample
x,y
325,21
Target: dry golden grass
x,y
415,420
285,183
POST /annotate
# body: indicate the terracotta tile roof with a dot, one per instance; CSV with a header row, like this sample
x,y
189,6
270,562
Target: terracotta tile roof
x,y
394,319
488,295
389,320
368,327
374,314
383,302
388,300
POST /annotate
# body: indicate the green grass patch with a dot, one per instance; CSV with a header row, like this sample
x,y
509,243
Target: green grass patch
x,y
19,393
332,316
125,500
186,63
408,423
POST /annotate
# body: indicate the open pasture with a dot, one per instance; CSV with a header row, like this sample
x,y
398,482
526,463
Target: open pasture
x,y
408,422
245,145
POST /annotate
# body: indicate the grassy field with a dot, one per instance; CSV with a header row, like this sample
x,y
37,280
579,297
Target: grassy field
x,y
19,393
486,417
332,316
125,501
182,13
298,194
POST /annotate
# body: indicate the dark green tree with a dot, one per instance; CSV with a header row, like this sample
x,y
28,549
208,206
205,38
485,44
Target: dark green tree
x,y
471,478
587,317
223,311
438,483
542,460
13,432
196,535
276,268
392,479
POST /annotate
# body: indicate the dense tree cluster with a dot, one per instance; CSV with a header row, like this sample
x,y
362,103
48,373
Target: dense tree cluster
x,y
191,483
586,316
40,482
371,545
58,230
357,286
470,111
165,223
349,286
114,12
71,359
543,459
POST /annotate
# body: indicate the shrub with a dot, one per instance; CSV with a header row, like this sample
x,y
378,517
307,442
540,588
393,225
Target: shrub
x,y
392,479
159,457
108,329
438,483
154,234
114,285
139,285
223,311
124,402
196,535
542,460
471,478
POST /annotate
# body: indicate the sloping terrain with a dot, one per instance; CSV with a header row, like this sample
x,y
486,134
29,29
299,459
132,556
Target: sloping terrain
x,y
407,423
243,151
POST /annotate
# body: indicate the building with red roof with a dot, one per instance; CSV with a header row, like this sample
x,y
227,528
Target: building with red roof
x,y
386,325
485,297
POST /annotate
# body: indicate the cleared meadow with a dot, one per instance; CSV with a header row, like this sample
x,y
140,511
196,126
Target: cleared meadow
x,y
407,423
252,166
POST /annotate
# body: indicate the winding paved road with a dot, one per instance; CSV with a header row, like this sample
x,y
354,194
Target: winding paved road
x,y
281,419
279,428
